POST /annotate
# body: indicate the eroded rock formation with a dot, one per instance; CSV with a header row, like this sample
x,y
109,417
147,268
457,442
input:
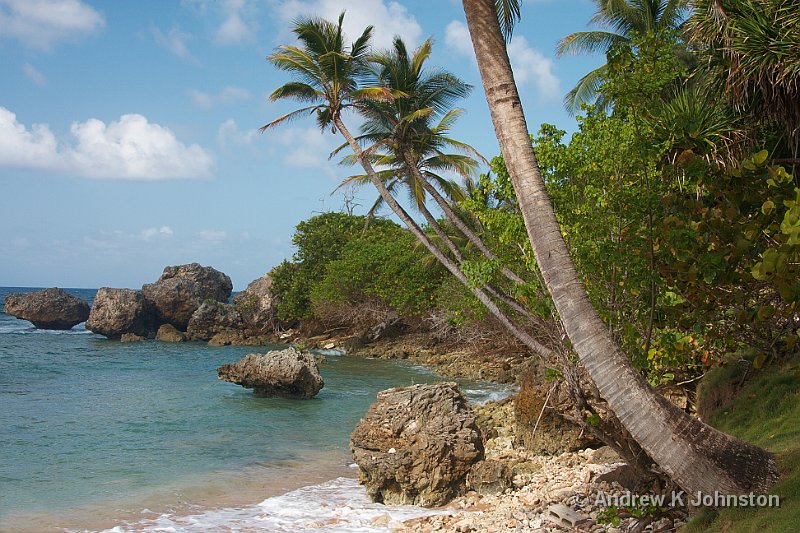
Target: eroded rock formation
x,y
116,312
48,309
182,289
285,374
416,445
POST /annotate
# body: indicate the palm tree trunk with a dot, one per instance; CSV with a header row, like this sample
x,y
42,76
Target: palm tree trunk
x,y
696,456
390,200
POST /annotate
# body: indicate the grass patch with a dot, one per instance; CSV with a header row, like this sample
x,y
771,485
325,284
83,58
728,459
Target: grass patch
x,y
767,413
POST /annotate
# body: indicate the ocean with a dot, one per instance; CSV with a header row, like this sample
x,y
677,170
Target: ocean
x,y
96,435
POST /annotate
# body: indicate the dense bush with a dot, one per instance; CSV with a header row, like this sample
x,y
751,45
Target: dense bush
x,y
342,263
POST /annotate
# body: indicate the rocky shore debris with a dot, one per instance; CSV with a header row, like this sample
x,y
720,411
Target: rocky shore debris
x,y
568,491
52,308
416,445
182,289
116,312
284,374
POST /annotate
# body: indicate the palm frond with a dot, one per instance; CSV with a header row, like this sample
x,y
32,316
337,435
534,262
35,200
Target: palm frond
x,y
508,14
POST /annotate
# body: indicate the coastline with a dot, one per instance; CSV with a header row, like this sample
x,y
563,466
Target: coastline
x,y
212,492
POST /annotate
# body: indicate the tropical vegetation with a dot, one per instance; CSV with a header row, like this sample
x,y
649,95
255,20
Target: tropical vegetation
x,y
660,241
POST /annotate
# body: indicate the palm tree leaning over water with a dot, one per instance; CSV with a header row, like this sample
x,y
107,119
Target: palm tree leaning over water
x,y
696,456
624,19
327,73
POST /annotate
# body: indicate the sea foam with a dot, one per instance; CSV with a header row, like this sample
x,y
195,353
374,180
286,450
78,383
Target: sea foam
x,y
337,506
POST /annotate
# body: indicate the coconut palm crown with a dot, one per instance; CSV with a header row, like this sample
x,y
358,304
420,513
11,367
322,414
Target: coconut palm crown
x,y
326,71
622,19
399,135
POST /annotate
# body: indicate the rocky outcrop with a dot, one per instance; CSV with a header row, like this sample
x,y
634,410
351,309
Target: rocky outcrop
x,y
182,289
285,374
169,333
256,306
48,309
416,445
212,318
119,311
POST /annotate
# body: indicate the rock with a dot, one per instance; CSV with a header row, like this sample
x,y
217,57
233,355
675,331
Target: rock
x,y
256,306
182,289
119,311
553,435
625,475
436,441
131,337
285,374
48,309
227,338
489,477
168,333
212,318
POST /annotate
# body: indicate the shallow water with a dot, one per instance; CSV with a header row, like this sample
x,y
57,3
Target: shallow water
x,y
96,434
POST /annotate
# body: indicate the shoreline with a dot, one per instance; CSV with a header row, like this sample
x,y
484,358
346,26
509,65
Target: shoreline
x,y
209,492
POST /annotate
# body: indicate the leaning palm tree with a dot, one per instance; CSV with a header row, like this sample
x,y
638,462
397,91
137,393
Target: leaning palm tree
x,y
622,19
327,74
403,125
696,456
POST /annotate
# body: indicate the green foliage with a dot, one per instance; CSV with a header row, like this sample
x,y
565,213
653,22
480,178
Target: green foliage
x,y
383,264
341,260
319,240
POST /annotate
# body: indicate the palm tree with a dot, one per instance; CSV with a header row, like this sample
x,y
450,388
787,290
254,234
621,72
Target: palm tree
x,y
696,456
751,49
623,20
327,73
403,126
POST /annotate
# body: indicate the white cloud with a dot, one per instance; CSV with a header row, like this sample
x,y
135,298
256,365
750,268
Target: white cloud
x,y
530,65
164,232
34,75
389,17
229,133
41,23
21,147
306,148
130,148
228,95
234,29
175,41
212,235
456,36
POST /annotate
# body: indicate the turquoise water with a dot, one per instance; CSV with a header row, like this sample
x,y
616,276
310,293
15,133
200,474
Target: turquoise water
x,y
87,423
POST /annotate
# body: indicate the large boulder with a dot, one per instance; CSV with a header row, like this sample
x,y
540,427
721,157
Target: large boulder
x,y
212,318
182,289
116,312
285,374
256,306
48,309
416,445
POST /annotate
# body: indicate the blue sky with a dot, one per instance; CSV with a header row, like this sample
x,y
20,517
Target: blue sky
x,y
128,130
